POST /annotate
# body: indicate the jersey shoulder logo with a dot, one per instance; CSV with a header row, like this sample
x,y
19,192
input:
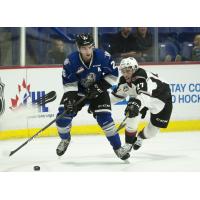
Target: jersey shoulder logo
x,y
66,62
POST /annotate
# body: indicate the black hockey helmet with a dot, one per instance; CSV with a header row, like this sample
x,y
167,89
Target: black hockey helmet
x,y
84,39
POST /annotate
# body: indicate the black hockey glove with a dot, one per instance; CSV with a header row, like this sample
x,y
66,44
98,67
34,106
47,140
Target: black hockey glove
x,y
98,88
94,91
143,112
69,101
133,107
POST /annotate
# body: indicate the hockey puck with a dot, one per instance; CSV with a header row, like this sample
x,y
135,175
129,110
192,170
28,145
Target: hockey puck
x,y
36,168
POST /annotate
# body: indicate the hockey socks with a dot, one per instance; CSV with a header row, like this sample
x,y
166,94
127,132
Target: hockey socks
x,y
115,141
130,137
64,136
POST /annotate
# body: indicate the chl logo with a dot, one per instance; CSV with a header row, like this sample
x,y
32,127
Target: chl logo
x,y
2,100
24,96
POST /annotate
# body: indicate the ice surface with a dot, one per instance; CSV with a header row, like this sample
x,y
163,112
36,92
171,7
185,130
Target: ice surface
x,y
165,152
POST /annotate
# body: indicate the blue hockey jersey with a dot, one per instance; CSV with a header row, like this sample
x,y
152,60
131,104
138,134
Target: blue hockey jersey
x,y
77,76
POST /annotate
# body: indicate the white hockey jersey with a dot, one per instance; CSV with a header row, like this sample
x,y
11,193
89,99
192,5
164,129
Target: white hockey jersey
x,y
145,86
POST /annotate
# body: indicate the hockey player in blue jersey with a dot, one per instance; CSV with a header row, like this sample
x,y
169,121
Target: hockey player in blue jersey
x,y
88,71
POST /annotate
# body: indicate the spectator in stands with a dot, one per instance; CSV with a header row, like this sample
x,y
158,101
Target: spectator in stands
x,y
168,58
123,44
56,54
169,48
144,44
196,48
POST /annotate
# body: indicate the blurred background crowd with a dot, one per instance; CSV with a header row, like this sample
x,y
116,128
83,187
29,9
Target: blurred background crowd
x,y
51,45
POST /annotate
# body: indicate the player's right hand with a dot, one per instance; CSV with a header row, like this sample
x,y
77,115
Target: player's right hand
x,y
133,107
94,91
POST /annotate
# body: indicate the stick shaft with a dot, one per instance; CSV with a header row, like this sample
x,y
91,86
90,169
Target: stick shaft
x,y
122,124
44,128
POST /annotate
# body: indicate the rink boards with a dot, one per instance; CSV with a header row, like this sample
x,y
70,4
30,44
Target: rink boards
x,y
25,84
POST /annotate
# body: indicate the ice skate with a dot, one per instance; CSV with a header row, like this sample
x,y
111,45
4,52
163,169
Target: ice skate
x,y
138,143
62,147
123,152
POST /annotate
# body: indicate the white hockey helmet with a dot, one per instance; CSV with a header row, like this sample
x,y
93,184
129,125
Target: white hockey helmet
x,y
129,62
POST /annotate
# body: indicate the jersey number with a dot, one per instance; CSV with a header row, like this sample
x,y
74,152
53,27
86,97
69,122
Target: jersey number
x,y
139,86
113,64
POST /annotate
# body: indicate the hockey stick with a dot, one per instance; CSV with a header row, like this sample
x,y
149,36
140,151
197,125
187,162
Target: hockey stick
x,y
49,124
123,124
49,97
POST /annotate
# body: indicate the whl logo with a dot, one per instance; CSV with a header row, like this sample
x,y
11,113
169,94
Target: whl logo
x,y
26,97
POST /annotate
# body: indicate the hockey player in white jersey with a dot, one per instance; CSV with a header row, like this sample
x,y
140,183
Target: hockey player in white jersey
x,y
146,92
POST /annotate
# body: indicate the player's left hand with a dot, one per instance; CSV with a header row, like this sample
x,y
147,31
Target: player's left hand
x,y
133,107
143,112
94,91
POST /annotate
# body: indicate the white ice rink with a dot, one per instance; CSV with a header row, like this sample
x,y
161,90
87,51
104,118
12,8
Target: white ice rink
x,y
178,152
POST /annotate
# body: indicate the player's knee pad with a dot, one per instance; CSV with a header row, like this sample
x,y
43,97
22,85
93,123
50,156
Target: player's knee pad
x,y
105,120
150,131
64,123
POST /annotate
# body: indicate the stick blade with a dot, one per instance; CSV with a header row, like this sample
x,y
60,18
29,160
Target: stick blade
x,y
11,153
49,97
